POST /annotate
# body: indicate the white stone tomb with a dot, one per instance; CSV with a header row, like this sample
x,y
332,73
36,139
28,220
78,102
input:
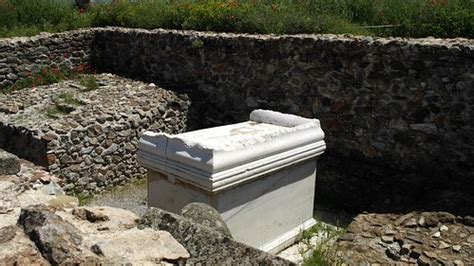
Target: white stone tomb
x,y
260,174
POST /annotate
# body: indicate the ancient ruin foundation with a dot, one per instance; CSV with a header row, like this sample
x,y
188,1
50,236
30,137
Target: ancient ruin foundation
x,y
88,138
397,112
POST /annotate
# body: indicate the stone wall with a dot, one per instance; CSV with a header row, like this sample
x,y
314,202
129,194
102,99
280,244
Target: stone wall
x,y
19,56
397,112
93,144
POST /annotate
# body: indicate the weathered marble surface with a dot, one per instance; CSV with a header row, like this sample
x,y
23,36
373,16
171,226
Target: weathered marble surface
x,y
221,157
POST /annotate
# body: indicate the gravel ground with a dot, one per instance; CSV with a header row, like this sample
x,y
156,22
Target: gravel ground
x,y
130,196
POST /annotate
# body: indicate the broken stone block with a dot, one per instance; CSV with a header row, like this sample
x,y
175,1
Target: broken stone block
x,y
58,240
205,245
9,163
205,215
147,245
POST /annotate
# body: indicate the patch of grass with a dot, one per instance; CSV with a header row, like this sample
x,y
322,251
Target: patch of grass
x,y
89,82
64,103
54,112
83,199
197,44
324,251
128,185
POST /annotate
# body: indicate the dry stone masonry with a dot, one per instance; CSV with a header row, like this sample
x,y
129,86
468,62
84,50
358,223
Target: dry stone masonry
x,y
19,56
397,112
94,145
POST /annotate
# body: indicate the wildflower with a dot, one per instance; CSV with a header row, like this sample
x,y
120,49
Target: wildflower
x,y
80,69
439,3
81,10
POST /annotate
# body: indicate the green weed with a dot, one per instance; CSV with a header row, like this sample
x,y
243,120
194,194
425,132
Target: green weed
x,y
83,198
323,252
89,82
63,104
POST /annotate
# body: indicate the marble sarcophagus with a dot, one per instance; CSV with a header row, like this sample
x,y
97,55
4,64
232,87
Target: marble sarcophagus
x,y
260,174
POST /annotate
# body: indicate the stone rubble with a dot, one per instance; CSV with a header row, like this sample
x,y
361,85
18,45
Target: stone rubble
x,y
41,228
424,238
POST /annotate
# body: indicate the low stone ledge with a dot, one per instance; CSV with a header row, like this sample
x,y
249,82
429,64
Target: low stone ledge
x,y
205,245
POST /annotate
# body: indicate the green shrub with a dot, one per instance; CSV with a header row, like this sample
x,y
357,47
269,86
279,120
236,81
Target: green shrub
x,y
29,17
408,18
